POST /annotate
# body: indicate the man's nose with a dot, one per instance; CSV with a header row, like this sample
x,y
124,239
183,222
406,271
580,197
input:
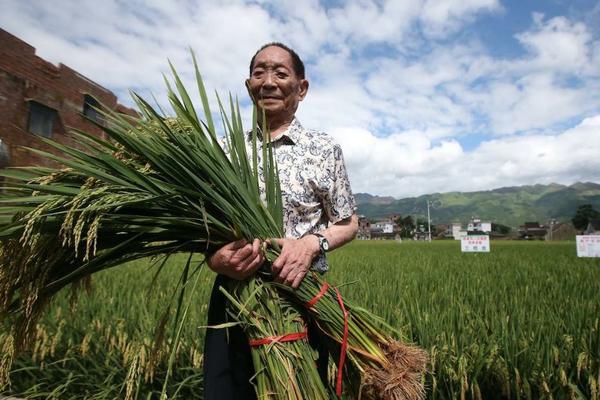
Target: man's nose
x,y
269,81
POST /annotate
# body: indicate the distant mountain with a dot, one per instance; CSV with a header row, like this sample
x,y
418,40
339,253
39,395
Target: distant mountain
x,y
366,198
510,206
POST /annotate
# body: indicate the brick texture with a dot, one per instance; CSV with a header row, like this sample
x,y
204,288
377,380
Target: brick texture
x,y
26,77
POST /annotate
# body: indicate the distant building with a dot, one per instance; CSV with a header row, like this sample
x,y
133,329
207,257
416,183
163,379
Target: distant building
x,y
385,228
532,230
456,230
421,234
39,99
593,227
442,231
561,231
475,226
364,228
478,226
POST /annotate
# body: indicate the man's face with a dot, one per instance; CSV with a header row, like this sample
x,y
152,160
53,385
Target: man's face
x,y
274,85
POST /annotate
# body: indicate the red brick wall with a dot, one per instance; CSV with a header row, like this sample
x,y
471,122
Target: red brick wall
x,y
25,76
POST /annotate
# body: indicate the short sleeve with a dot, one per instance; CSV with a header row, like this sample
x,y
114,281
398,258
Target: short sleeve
x,y
338,199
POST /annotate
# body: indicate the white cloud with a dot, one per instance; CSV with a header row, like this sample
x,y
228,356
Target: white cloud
x,y
363,22
381,164
441,17
565,157
409,164
533,102
557,44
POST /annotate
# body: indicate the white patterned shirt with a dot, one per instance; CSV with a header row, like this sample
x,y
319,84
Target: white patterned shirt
x,y
314,183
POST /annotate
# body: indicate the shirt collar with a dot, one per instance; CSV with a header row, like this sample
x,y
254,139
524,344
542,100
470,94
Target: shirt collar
x,y
290,136
294,132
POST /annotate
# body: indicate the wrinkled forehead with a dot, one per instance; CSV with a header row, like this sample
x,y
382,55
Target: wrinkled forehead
x,y
273,57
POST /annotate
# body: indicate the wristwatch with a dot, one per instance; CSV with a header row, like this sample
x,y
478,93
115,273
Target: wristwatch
x,y
323,243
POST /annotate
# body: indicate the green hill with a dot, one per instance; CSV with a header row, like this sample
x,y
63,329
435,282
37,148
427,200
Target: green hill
x,y
510,206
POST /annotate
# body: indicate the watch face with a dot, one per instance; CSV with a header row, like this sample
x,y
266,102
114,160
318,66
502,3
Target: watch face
x,y
324,244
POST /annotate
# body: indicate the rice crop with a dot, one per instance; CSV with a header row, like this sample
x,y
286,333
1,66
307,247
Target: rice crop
x,y
522,322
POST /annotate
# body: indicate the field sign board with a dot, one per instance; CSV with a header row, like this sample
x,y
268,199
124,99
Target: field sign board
x,y
588,245
475,244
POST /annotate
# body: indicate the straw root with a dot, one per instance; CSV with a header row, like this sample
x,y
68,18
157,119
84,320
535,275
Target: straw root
x,y
402,380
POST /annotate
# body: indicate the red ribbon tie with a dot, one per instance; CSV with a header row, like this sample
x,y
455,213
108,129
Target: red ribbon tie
x,y
311,303
290,337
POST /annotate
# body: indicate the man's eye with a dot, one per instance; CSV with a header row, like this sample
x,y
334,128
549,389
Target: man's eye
x,y
257,73
281,75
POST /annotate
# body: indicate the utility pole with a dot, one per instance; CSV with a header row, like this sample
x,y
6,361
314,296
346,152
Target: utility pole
x,y
428,222
552,222
414,230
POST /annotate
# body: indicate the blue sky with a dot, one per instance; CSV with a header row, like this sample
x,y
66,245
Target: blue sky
x,y
423,95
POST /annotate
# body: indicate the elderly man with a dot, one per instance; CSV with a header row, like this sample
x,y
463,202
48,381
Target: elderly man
x,y
319,214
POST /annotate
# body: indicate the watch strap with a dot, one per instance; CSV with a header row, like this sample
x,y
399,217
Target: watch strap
x,y
323,243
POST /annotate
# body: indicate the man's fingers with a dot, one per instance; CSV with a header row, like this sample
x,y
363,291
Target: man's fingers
x,y
293,276
280,276
254,265
247,267
256,246
237,259
278,264
293,263
242,254
298,279
277,242
238,244
289,278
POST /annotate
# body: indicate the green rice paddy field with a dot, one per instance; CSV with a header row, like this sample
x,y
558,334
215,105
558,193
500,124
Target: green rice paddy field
x,y
520,322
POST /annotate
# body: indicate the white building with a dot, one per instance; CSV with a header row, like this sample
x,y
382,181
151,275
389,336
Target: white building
x,y
383,227
476,225
456,228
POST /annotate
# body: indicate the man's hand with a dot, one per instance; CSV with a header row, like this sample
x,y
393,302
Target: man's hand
x,y
237,260
295,259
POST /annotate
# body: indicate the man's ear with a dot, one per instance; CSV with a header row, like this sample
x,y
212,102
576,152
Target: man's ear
x,y
247,83
303,88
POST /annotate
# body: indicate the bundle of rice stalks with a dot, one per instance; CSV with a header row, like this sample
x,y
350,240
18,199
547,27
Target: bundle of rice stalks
x,y
161,186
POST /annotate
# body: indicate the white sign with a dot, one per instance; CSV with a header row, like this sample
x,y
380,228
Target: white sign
x,y
588,245
475,244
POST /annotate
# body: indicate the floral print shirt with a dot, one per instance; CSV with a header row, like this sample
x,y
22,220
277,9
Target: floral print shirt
x,y
314,183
